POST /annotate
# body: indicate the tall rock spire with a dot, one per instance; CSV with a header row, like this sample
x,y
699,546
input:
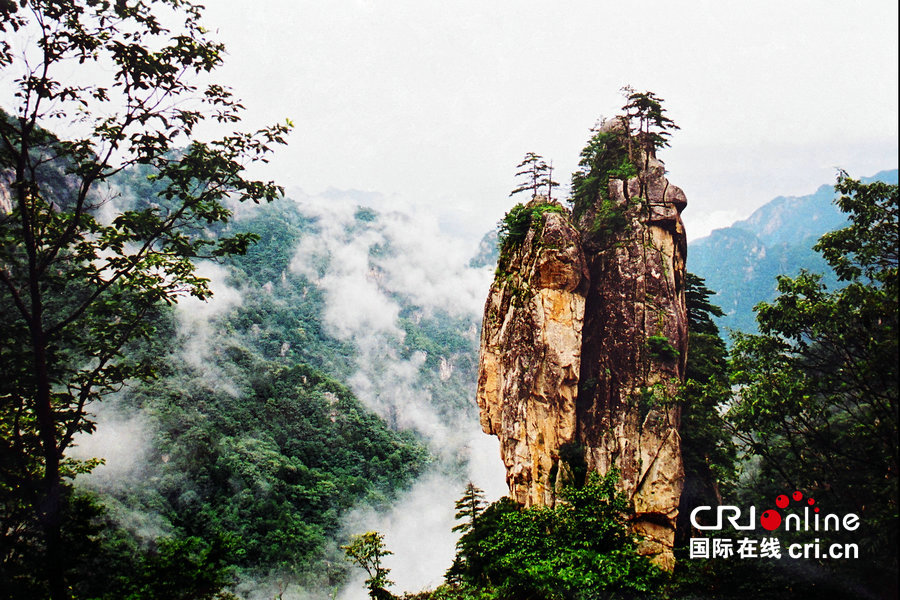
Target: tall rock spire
x,y
531,352
584,344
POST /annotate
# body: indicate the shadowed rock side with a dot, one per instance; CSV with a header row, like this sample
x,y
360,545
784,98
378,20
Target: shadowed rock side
x,y
531,355
584,345
634,352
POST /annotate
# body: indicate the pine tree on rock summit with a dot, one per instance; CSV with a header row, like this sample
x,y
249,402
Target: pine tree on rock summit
x,y
536,173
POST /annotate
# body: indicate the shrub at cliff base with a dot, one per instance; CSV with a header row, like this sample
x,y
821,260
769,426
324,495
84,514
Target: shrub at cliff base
x,y
578,549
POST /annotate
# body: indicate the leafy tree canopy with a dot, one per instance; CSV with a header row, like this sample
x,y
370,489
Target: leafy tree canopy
x,y
367,550
119,83
818,385
579,549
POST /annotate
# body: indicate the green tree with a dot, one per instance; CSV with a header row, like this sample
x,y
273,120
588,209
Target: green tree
x,y
536,174
117,79
549,182
367,551
646,121
520,219
865,250
817,398
579,549
468,510
708,453
604,157
180,569
469,507
620,149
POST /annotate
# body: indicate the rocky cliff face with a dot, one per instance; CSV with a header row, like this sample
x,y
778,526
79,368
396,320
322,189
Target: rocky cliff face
x,y
531,355
583,348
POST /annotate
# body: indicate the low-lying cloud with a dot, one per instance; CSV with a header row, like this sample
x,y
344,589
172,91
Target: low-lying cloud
x,y
370,269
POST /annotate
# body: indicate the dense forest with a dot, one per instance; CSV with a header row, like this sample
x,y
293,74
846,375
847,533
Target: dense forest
x,y
251,446
154,296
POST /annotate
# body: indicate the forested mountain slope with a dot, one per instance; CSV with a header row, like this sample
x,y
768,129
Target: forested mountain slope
x,y
251,438
741,262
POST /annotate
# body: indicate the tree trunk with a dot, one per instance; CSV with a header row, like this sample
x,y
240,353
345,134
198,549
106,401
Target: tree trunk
x,y
49,509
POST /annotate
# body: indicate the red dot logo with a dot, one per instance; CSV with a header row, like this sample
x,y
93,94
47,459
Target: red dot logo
x,y
811,501
770,520
798,496
782,501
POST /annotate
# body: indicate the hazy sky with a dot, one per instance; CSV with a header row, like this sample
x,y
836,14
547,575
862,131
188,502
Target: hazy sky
x,y
436,102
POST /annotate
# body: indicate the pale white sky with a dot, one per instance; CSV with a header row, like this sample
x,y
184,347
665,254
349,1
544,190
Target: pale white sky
x,y
435,102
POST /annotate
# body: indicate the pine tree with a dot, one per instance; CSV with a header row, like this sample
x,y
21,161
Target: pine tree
x,y
535,171
469,508
646,121
547,180
707,449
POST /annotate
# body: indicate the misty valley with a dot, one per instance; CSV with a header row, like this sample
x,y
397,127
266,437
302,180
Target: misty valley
x,y
217,389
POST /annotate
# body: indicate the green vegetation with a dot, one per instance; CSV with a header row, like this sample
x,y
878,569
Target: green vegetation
x,y
281,489
620,150
252,450
578,549
661,348
537,174
469,508
521,218
816,412
367,550
106,563
707,449
256,450
777,239
818,384
646,121
76,290
612,152
511,233
604,157
609,218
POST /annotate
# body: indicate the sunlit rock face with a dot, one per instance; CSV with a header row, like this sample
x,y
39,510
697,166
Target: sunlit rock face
x,y
531,355
584,344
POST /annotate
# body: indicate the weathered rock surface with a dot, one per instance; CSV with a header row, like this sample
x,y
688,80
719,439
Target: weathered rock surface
x,y
531,355
634,352
584,344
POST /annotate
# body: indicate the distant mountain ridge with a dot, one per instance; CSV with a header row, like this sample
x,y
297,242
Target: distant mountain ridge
x,y
741,262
